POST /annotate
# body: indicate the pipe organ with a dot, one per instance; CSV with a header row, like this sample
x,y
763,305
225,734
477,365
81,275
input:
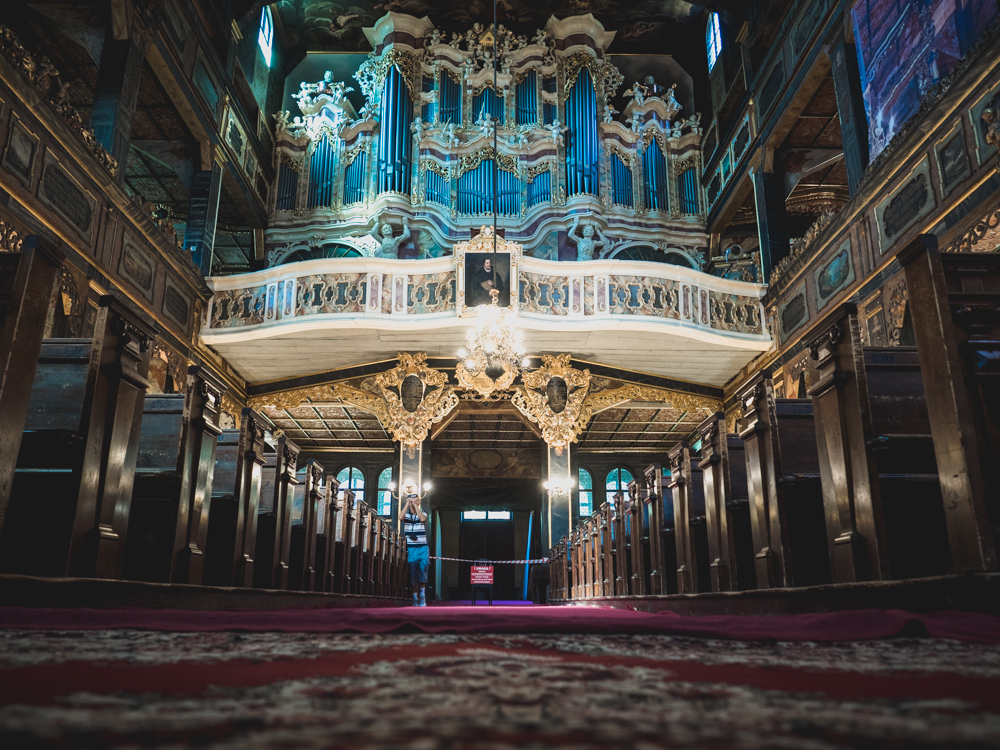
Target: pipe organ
x,y
422,147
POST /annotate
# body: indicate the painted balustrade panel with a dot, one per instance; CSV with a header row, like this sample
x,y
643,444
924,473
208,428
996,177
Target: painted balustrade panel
x,y
375,288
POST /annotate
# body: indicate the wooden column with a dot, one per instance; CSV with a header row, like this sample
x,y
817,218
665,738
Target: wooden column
x,y
248,479
851,493
761,442
116,94
851,110
715,476
772,221
680,487
26,281
198,441
955,319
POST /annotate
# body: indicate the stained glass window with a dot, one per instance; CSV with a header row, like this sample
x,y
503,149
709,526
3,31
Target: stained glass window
x,y
617,481
586,492
713,40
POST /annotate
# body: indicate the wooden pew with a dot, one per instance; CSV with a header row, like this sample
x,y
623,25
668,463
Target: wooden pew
x,y
576,559
360,551
621,529
172,495
558,575
783,477
236,490
639,543
714,465
326,527
659,515
345,536
26,281
688,499
727,507
274,515
884,515
607,544
955,306
307,496
70,500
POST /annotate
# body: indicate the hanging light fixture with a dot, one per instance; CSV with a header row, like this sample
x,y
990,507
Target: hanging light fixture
x,y
496,346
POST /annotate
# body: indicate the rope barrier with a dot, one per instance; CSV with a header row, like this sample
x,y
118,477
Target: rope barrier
x,y
493,562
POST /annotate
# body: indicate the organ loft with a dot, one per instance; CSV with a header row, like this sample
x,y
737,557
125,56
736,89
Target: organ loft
x,y
312,311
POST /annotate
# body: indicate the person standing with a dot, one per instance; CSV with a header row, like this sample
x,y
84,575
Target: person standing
x,y
417,555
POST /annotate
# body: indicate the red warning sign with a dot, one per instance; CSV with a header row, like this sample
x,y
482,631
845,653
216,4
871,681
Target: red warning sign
x,y
482,575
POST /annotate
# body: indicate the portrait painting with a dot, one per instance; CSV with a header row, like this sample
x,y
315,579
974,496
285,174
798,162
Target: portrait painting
x,y
481,278
953,162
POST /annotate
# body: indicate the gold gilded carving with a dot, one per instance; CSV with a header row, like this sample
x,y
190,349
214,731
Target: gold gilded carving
x,y
562,423
598,402
351,154
371,75
621,153
487,388
433,166
536,169
11,240
409,428
506,162
605,76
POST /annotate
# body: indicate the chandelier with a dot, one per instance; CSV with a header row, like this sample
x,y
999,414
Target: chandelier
x,y
496,349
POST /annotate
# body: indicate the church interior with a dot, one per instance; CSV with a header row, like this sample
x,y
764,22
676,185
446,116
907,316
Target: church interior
x,y
421,373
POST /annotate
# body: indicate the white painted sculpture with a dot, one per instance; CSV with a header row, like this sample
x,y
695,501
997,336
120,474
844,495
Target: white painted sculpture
x,y
586,245
390,245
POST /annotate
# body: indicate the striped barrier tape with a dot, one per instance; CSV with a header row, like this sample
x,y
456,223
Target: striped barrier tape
x,y
493,562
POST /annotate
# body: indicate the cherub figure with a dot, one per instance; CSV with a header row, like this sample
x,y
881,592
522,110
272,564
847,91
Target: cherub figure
x,y
694,122
671,99
652,88
609,113
418,128
435,37
557,129
638,92
540,37
389,245
486,123
451,136
586,245
281,120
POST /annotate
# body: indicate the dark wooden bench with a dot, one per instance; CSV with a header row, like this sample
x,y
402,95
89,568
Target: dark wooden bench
x,y
236,489
690,526
884,513
345,535
558,574
69,505
606,542
639,543
172,494
277,482
623,548
307,496
954,302
783,477
26,281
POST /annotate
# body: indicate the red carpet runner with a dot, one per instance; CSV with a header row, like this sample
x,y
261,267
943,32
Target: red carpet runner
x,y
478,679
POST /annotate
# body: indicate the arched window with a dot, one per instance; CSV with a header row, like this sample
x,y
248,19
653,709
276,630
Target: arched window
x,y
617,481
586,493
265,37
384,492
713,41
351,478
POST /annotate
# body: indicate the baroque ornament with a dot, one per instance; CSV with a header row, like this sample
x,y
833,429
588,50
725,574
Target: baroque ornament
x,y
554,397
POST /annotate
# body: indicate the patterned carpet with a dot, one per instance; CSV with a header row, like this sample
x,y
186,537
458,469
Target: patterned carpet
x,y
278,690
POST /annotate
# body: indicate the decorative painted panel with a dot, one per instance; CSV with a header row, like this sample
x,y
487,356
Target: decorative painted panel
x,y
431,293
635,295
735,313
545,294
331,293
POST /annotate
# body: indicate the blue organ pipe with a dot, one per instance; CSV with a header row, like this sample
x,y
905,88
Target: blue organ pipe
x,y
526,100
396,113
540,189
621,178
437,188
288,183
451,100
582,150
354,179
321,173
654,172
688,190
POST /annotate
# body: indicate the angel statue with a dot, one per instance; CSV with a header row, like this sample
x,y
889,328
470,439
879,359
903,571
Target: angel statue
x,y
390,245
638,92
609,114
586,245
557,129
